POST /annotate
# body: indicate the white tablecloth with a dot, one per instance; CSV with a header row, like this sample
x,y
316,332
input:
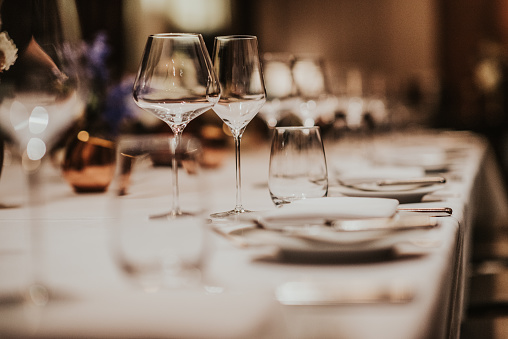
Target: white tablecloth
x,y
93,299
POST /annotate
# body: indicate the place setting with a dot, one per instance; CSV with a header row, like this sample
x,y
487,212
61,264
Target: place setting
x,y
309,223
332,228
358,177
405,190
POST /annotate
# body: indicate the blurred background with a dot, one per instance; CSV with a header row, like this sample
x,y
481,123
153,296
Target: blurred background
x,y
444,58
443,61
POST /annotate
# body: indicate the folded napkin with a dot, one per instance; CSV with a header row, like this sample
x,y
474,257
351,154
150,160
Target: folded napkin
x,y
332,208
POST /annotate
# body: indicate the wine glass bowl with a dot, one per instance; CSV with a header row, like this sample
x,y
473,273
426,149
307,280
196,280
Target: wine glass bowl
x,y
39,102
176,83
238,68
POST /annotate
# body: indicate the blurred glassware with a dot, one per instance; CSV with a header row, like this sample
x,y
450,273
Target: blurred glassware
x,y
316,100
236,62
281,92
41,97
297,165
158,253
176,83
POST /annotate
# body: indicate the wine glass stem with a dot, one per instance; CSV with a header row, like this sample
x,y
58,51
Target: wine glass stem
x,y
175,142
37,292
238,207
35,231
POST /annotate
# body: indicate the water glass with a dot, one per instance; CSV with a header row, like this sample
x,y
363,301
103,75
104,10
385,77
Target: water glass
x,y
159,251
297,165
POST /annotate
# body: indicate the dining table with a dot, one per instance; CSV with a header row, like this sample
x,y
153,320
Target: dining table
x,y
415,288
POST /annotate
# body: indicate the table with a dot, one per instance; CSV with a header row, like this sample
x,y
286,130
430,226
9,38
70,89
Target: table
x,y
93,298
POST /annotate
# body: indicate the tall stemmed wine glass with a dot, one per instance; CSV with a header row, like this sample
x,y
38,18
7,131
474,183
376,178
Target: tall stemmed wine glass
x,y
176,83
236,62
39,101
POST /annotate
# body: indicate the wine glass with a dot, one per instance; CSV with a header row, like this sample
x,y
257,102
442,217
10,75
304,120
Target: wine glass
x,y
158,253
310,79
236,62
297,167
39,101
176,83
280,86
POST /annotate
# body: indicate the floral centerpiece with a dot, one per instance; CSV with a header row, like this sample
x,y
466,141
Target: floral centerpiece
x,y
107,103
89,159
8,52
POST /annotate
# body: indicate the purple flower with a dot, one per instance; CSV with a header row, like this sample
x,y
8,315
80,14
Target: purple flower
x,y
119,104
97,54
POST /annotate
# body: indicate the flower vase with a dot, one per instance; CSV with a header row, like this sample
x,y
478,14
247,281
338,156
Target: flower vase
x,y
89,163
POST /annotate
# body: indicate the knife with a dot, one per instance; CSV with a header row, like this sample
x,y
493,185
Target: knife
x,y
433,211
398,222
412,181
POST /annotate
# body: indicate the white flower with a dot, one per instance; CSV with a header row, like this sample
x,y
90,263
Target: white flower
x,y
8,52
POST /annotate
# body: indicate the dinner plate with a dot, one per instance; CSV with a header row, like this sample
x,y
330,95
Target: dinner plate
x,y
328,208
404,194
324,244
431,159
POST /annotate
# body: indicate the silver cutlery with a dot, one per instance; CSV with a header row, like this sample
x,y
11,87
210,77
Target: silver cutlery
x,y
433,211
397,222
414,181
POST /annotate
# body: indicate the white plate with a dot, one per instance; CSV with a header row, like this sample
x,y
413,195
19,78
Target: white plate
x,y
432,159
403,196
332,208
329,244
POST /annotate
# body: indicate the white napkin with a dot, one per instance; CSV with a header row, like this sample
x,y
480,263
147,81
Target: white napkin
x,y
332,208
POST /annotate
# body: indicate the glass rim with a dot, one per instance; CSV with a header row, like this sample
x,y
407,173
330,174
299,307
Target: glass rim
x,y
294,128
236,36
175,35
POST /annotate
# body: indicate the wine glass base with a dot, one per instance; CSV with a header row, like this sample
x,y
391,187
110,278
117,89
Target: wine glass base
x,y
38,295
172,215
228,214
34,295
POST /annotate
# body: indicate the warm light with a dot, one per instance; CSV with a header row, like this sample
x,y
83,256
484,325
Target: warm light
x,y
278,79
309,77
202,16
83,136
